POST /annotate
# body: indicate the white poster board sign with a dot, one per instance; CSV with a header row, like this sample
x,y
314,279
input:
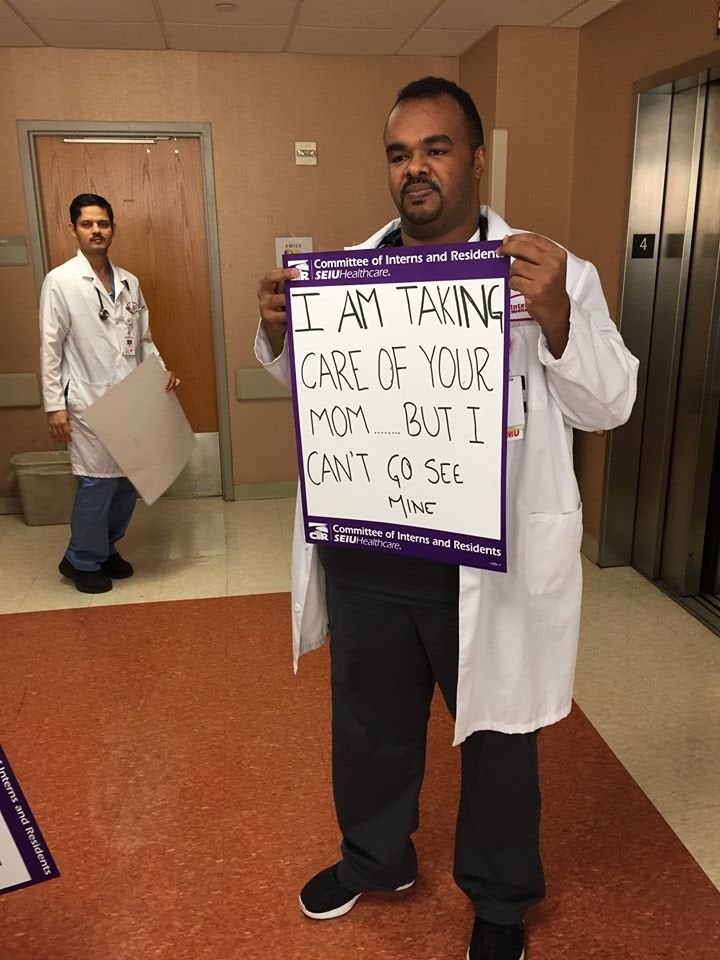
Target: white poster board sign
x,y
144,428
399,362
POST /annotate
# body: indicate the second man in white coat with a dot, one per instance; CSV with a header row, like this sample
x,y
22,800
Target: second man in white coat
x,y
94,330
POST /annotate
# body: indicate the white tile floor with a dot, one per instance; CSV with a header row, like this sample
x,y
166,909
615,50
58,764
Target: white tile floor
x,y
648,673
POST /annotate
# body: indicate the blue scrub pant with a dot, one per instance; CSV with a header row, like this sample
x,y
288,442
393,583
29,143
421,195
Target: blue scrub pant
x,y
101,513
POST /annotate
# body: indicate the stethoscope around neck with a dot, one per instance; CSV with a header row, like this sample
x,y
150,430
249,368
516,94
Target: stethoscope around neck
x,y
103,312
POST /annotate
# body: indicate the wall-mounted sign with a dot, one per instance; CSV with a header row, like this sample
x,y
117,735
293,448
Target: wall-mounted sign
x,y
13,251
291,245
643,246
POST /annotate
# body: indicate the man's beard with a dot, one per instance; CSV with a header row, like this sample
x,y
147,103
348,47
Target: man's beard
x,y
421,215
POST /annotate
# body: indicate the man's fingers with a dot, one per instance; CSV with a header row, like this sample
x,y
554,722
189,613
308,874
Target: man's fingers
x,y
274,281
521,285
59,426
270,293
525,269
62,435
530,247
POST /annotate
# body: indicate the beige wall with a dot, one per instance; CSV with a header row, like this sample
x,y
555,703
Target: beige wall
x,y
635,40
479,76
513,74
258,106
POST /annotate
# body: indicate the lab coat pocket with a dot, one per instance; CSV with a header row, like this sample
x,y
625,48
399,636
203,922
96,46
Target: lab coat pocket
x,y
552,548
83,393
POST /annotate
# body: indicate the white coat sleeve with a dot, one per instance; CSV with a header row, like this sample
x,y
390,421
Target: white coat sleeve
x,y
277,366
54,327
594,382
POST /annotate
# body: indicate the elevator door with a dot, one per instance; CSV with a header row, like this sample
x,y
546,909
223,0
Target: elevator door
x,y
663,478
690,496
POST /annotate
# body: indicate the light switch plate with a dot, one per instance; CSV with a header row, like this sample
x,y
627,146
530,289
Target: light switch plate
x,y
306,153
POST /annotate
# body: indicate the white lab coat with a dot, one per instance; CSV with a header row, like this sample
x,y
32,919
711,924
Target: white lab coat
x,y
83,354
518,630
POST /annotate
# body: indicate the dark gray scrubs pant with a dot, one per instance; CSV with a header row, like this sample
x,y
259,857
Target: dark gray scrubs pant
x,y
386,658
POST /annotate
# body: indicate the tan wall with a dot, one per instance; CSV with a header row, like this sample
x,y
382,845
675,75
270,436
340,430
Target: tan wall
x,y
258,106
537,82
513,74
479,76
635,40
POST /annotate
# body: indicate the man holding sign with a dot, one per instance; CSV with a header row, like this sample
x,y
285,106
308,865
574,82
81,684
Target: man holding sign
x,y
500,645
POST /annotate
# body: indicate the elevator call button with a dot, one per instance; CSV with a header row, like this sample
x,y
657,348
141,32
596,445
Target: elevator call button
x,y
643,246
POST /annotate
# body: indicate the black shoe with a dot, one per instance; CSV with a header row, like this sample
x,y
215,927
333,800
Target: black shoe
x,y
116,568
325,898
86,581
494,941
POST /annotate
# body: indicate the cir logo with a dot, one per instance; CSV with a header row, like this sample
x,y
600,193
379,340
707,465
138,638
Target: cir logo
x,y
318,531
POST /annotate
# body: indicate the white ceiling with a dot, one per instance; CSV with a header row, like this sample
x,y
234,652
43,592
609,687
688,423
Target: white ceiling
x,y
406,27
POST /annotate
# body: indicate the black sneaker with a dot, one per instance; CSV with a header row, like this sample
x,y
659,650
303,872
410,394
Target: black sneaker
x,y
325,898
116,568
494,941
86,581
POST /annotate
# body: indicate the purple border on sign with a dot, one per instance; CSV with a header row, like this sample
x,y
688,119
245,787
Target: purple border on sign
x,y
318,268
19,832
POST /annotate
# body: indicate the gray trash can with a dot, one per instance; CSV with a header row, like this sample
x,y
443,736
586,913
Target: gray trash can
x,y
46,486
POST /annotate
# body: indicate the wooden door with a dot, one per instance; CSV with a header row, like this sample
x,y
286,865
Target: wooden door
x,y
156,192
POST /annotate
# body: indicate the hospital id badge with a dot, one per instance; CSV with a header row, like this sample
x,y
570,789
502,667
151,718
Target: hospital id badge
x,y
128,346
516,408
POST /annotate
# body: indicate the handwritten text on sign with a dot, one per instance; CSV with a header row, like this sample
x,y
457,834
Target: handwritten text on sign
x,y
399,360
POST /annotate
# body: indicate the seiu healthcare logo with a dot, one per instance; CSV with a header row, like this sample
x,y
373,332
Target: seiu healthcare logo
x,y
318,531
303,266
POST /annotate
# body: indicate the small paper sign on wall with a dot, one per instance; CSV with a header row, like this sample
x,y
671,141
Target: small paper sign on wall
x,y
399,363
291,245
24,855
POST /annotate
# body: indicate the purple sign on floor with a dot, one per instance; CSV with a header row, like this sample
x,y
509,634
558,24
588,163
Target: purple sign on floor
x,y
399,362
24,856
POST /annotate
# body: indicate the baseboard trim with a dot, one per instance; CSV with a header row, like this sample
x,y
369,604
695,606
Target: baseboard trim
x,y
590,548
265,491
10,505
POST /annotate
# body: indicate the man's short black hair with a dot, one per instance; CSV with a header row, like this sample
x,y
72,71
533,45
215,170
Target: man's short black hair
x,y
89,200
428,88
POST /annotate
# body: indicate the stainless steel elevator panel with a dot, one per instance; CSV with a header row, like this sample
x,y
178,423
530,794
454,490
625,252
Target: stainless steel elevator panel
x,y
662,495
652,130
683,160
698,396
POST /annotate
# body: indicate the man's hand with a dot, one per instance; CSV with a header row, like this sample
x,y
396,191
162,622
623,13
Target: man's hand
x,y
171,381
59,426
538,273
271,298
